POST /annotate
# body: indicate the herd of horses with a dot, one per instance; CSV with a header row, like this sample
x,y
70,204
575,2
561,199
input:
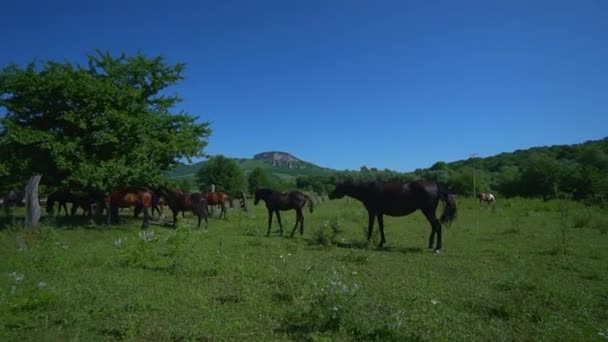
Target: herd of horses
x,y
378,198
142,199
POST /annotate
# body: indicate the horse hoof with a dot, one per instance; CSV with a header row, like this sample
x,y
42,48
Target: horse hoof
x,y
437,251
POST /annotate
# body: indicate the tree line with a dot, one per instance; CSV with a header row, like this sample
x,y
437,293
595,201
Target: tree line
x,y
574,171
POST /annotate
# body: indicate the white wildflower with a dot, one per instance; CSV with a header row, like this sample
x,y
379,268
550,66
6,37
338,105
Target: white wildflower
x,y
17,277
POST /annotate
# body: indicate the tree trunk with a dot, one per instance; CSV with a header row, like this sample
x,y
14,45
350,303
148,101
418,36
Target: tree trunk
x,y
32,206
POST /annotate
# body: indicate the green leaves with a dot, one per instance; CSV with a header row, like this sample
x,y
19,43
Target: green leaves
x,y
222,172
102,125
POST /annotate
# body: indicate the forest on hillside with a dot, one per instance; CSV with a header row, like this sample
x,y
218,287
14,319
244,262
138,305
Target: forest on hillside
x,y
576,171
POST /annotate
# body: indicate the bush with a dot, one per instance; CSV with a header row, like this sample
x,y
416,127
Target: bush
x,y
327,233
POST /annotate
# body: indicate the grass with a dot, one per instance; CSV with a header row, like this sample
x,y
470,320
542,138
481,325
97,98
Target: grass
x,y
519,272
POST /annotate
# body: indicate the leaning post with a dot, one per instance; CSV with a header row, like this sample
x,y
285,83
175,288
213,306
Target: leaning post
x,y
32,206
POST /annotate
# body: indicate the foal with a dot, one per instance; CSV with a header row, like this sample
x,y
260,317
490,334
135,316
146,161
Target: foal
x,y
277,201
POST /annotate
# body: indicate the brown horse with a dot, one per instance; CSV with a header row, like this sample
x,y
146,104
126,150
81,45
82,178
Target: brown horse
x,y
400,199
277,201
178,200
137,197
218,198
486,197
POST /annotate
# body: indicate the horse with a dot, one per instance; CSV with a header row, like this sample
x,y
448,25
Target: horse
x,y
277,201
13,197
178,200
218,198
487,198
157,205
140,198
400,199
62,197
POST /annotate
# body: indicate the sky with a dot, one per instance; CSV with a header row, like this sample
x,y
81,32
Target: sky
x,y
387,84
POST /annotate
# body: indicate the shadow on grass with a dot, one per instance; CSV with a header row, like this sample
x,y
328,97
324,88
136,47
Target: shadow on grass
x,y
81,222
368,246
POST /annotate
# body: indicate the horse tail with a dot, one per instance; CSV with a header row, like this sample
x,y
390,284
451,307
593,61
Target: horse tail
x,y
311,203
449,211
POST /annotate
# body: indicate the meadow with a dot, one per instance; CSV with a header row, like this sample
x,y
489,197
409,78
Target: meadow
x,y
525,270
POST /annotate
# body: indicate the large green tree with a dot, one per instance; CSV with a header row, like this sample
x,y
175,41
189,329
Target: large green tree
x,y
222,172
106,123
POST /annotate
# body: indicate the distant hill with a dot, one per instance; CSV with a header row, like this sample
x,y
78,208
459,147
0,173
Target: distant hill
x,y
279,166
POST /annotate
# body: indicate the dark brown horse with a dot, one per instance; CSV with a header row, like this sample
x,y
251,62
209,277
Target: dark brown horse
x,y
400,199
125,197
178,200
277,201
218,198
64,196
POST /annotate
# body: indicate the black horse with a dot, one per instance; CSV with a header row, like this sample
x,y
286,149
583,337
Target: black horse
x,y
13,197
63,196
277,201
180,201
400,199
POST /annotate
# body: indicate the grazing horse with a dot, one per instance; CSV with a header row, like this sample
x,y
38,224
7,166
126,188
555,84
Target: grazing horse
x,y
277,201
400,199
487,198
178,200
13,197
218,198
64,196
137,197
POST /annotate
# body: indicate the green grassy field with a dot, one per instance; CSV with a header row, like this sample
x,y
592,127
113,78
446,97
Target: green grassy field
x,y
527,270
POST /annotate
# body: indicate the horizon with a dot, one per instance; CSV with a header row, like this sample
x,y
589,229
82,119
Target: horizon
x,y
389,85
406,171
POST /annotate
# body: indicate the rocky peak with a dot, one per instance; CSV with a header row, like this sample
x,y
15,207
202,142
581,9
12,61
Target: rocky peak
x,y
280,159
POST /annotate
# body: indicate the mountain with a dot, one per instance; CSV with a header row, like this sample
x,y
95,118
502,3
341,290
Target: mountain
x,y
279,166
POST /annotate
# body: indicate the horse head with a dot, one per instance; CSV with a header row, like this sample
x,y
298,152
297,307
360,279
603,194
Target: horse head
x,y
339,190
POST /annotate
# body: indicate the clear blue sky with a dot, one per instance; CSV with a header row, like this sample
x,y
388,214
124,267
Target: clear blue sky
x,y
387,84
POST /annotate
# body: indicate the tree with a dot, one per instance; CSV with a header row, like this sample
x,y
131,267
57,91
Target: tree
x,y
509,181
185,184
95,126
541,176
257,179
223,172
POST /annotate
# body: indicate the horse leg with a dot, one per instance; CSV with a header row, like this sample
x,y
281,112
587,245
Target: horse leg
x,y
301,222
435,228
269,221
381,226
279,220
298,218
137,210
146,222
370,225
175,212
223,212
